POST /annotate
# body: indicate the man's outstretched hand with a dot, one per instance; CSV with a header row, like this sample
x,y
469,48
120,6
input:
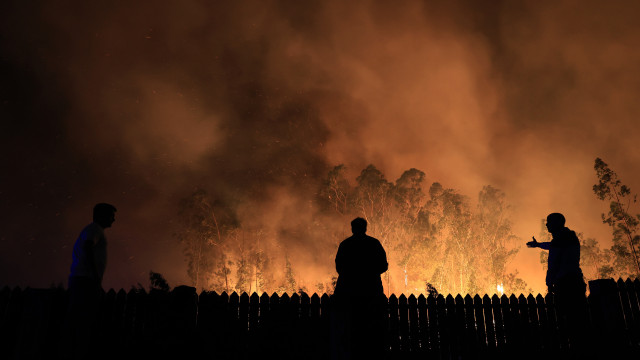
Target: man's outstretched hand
x,y
534,243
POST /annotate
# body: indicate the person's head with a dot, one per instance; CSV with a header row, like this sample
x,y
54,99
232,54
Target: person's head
x,y
104,214
555,222
359,226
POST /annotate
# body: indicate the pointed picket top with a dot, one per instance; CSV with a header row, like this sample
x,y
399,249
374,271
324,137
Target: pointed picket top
x,y
422,300
244,298
513,299
275,299
295,298
636,282
315,298
531,299
224,297
402,299
495,299
285,298
449,299
628,284
393,299
304,298
540,299
504,300
459,299
621,285
468,299
412,300
111,293
431,300
522,299
325,299
477,300
234,298
486,300
254,298
264,298
122,293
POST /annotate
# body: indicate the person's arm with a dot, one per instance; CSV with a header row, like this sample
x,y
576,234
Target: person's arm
x,y
536,244
95,262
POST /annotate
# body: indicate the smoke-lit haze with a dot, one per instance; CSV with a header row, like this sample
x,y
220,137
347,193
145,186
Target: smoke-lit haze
x,y
138,104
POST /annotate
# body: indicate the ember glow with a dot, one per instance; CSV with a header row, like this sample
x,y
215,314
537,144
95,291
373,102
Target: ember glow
x,y
254,103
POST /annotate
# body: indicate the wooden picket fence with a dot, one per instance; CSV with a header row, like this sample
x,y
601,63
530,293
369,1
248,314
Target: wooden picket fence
x,y
209,325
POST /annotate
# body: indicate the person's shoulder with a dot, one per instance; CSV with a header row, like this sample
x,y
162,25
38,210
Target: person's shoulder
x,y
346,241
372,239
94,228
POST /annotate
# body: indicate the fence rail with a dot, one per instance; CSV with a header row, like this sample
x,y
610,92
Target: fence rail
x,y
210,325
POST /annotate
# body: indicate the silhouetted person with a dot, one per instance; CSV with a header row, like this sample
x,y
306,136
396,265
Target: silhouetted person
x,y
564,278
85,281
359,298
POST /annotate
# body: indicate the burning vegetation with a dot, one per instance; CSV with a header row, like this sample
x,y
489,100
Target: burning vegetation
x,y
435,238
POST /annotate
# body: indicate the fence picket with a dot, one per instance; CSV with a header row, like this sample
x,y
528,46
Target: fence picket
x,y
423,324
480,326
489,324
414,328
523,322
543,320
403,324
455,327
535,336
471,333
434,334
254,311
554,324
394,339
499,323
515,329
243,313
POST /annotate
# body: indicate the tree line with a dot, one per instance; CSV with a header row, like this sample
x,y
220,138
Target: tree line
x,y
437,239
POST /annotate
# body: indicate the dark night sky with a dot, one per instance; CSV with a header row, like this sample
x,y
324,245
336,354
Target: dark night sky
x,y
139,103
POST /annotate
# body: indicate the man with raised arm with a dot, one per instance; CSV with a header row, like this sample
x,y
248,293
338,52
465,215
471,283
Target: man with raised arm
x,y
564,278
564,275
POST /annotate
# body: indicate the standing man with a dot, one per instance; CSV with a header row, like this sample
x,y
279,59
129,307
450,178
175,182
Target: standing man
x,y
564,277
359,297
85,279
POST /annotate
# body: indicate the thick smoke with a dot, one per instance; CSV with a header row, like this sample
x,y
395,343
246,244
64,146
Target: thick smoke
x,y
253,101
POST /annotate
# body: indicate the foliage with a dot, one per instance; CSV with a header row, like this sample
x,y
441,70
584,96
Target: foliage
x,y
158,282
624,225
201,237
432,235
